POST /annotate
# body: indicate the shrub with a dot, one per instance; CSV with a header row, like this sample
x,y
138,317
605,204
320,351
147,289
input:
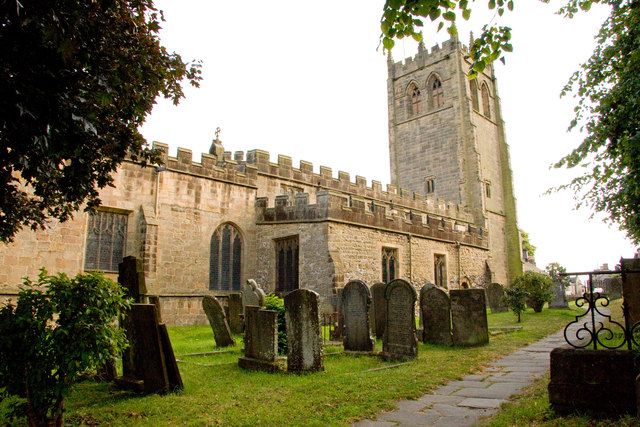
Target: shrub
x,y
514,299
275,303
538,287
59,329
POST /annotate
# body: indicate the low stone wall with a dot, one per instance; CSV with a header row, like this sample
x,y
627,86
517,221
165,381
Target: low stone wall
x,y
182,310
601,383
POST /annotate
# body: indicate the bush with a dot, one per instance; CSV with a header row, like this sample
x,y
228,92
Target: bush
x,y
539,289
514,299
59,329
275,303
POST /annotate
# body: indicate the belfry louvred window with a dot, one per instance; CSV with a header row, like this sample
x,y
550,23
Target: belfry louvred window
x,y
437,94
225,266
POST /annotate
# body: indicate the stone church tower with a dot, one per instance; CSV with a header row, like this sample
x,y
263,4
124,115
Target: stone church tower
x,y
447,141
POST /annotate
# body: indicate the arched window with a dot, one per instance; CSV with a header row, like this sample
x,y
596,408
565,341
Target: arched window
x,y
415,99
486,109
437,95
473,87
226,259
389,267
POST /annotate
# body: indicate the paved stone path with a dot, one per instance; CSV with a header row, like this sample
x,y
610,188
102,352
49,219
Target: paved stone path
x,y
464,402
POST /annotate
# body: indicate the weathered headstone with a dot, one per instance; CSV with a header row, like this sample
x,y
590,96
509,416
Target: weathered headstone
x,y
631,288
131,277
399,340
149,364
613,286
339,324
495,297
304,344
559,297
469,317
234,302
252,294
261,341
155,300
215,314
379,318
355,303
435,310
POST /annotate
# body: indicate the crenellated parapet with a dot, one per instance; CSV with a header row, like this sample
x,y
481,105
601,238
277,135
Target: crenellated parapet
x,y
358,190
211,166
333,206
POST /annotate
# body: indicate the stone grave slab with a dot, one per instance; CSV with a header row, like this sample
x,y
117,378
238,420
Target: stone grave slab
x,y
355,303
131,278
218,321
435,310
399,340
304,343
261,341
469,317
379,317
495,297
236,324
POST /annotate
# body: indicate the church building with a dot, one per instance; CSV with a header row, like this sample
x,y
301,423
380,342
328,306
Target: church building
x,y
204,226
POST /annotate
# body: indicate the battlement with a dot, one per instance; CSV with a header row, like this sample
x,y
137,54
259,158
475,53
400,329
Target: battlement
x,y
360,212
210,166
357,189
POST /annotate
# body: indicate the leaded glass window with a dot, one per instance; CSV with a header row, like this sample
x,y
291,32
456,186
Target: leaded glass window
x,y
389,264
287,250
106,240
440,270
225,265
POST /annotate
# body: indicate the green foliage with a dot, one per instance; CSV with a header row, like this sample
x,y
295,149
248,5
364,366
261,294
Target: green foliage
x,y
59,328
554,270
526,244
275,303
608,90
514,298
78,79
538,287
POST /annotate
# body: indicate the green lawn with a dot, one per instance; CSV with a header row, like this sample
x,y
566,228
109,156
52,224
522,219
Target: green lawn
x,y
217,391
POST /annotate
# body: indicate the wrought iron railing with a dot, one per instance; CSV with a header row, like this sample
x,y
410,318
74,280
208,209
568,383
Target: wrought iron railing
x,y
596,327
329,326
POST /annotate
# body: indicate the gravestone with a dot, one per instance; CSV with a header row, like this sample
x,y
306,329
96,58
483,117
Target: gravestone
x,y
495,297
131,277
631,288
234,302
149,364
339,323
613,287
252,294
379,305
559,297
355,303
215,314
435,310
399,340
469,317
261,341
304,344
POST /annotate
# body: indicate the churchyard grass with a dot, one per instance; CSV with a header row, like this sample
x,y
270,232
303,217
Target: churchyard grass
x,y
217,391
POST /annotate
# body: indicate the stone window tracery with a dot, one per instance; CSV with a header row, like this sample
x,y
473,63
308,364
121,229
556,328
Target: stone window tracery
x,y
486,106
287,257
389,264
416,98
225,266
437,93
106,240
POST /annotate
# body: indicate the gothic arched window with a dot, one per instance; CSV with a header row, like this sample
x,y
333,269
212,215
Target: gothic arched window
x,y
225,264
415,99
486,109
389,264
473,86
437,94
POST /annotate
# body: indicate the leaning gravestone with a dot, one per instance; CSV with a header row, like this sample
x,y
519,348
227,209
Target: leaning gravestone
x,y
215,314
252,294
261,341
355,303
495,297
379,318
559,297
399,340
304,345
234,302
435,310
149,364
469,317
131,278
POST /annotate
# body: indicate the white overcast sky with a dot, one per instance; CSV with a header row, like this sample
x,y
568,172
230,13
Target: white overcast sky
x,y
305,79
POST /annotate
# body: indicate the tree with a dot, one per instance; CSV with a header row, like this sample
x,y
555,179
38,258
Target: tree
x,y
514,298
526,244
77,80
59,328
554,270
538,288
607,88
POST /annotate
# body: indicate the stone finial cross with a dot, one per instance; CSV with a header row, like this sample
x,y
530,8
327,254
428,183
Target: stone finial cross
x,y
218,133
